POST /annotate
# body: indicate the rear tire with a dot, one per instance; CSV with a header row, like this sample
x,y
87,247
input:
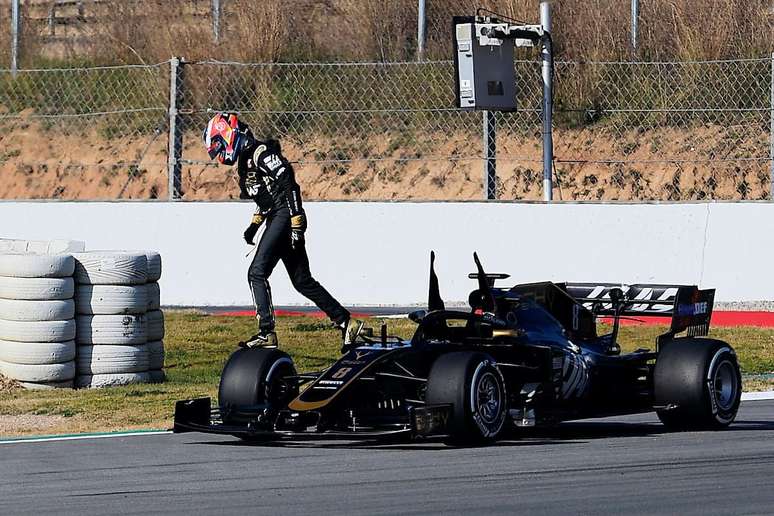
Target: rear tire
x,y
254,377
700,378
476,389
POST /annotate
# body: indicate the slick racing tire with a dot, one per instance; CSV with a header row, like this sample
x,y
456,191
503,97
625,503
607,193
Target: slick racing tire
x,y
697,383
475,388
36,265
111,299
111,329
55,310
37,331
111,268
39,373
37,353
96,381
254,377
106,359
36,289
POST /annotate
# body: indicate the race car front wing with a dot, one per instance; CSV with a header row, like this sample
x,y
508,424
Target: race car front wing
x,y
198,415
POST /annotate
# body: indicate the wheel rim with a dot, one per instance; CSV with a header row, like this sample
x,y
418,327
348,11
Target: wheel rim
x,y
488,398
275,389
725,383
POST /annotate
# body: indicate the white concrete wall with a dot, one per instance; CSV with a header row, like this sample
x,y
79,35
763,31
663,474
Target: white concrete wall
x,y
377,253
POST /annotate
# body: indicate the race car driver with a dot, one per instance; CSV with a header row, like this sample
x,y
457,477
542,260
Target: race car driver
x,y
267,177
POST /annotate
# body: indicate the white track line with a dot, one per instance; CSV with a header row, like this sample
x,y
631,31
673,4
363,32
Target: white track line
x,y
758,396
52,438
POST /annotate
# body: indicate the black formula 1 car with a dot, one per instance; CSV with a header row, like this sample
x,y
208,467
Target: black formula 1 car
x,y
527,355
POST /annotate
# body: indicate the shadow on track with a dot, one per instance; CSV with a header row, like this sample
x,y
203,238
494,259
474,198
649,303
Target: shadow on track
x,y
564,433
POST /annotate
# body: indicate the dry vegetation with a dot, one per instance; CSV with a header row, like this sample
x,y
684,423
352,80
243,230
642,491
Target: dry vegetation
x,y
312,30
55,163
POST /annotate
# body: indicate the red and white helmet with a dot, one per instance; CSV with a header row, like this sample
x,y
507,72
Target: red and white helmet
x,y
225,137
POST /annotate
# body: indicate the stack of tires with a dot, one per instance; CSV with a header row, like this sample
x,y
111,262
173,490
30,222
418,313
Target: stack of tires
x,y
119,323
155,320
37,326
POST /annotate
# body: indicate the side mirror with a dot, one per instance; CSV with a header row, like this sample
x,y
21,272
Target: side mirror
x,y
417,315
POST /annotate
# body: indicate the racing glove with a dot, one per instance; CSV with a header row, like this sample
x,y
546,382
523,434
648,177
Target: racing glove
x,y
297,228
252,229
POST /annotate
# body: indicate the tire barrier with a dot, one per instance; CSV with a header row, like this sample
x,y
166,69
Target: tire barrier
x,y
39,373
111,299
86,319
154,266
37,265
36,289
155,355
154,296
111,268
22,310
155,324
107,359
89,381
68,384
111,329
37,310
37,353
119,321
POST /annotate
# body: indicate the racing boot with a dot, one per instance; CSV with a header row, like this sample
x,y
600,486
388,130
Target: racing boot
x,y
350,329
262,339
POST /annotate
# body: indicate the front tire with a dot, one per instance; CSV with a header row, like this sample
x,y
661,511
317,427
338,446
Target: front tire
x,y
475,388
700,381
253,377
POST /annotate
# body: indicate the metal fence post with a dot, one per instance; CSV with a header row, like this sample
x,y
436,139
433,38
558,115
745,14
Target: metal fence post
x,y
216,21
548,102
14,37
174,164
421,29
771,128
490,156
635,23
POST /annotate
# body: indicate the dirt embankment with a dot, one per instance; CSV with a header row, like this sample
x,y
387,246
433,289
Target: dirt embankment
x,y
704,162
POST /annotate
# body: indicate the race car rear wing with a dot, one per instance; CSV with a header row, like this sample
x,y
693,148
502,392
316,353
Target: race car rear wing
x,y
689,307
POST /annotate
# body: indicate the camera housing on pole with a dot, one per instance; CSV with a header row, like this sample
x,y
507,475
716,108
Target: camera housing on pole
x,y
483,61
485,78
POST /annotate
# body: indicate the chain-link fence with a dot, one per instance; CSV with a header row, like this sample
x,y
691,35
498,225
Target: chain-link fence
x,y
84,133
390,131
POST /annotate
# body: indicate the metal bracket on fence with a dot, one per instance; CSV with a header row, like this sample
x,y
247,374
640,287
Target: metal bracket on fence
x,y
174,163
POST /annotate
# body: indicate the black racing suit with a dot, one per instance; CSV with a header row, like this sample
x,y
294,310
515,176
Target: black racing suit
x,y
267,177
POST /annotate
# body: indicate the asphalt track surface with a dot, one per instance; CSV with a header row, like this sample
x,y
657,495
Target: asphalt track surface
x,y
626,465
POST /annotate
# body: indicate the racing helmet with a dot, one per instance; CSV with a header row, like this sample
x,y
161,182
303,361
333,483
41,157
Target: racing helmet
x,y
225,137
